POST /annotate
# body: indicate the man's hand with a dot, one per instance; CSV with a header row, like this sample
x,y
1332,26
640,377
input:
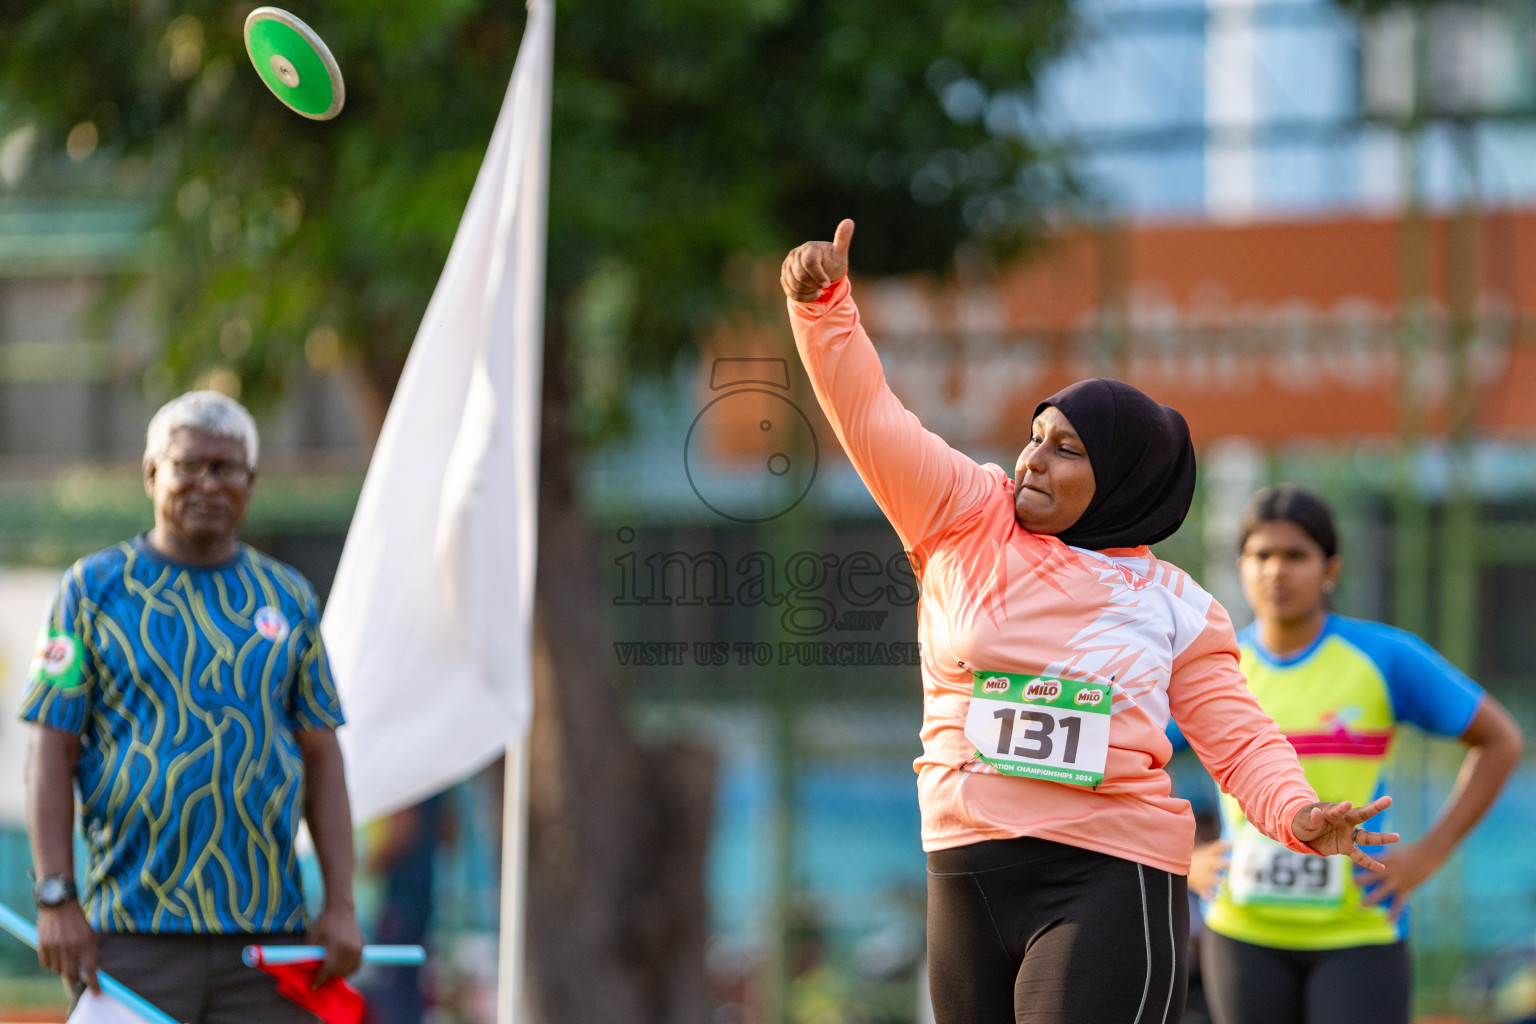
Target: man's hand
x,y
66,945
329,814
1208,868
816,265
1408,867
1330,829
336,929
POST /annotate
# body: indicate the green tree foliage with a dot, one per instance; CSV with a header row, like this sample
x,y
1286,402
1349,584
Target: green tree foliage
x,y
692,141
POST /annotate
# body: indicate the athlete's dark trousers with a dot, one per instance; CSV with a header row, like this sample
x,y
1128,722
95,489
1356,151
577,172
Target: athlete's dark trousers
x,y
1027,931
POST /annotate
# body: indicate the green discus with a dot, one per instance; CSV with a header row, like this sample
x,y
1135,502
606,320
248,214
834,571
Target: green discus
x,y
295,63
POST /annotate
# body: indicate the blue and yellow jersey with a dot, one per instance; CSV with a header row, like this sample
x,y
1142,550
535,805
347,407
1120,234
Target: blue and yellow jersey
x,y
1339,703
186,686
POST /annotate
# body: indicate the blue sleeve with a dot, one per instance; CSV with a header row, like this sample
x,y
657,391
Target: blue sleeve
x,y
1426,690
61,679
315,702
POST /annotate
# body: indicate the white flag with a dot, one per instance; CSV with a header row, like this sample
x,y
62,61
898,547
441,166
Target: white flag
x,y
103,1009
430,622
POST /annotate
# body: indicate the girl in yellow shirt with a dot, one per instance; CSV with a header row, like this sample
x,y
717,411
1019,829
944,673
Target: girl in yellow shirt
x,y
1288,934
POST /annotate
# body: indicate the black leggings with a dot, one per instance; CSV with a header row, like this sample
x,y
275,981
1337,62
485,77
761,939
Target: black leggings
x,y
1249,984
1027,931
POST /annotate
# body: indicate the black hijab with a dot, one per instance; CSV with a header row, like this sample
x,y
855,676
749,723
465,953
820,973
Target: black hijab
x,y
1143,464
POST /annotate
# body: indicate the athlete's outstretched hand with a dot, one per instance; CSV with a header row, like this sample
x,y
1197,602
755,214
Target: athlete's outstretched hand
x,y
1330,828
815,265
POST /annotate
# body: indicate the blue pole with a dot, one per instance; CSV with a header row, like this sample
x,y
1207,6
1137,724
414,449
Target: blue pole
x,y
386,956
27,932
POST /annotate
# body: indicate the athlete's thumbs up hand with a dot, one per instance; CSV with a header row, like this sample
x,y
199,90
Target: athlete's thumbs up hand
x,y
1334,828
816,265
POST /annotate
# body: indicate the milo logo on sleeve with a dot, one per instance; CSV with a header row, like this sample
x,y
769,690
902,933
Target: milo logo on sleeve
x,y
57,661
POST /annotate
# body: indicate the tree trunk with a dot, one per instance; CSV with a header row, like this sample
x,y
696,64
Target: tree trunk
x,y
618,830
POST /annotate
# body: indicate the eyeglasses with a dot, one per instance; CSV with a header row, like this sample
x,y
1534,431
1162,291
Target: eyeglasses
x,y
225,471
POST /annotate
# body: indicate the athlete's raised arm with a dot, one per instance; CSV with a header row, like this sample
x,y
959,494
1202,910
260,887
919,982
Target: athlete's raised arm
x,y
920,482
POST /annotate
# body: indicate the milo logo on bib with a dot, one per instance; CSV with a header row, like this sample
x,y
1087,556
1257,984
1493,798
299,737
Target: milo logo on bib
x,y
1039,727
1042,689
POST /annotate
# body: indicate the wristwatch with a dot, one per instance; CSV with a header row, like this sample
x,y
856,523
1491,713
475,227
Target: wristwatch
x,y
53,891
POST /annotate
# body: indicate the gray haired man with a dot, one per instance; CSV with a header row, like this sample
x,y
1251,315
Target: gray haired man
x,y
182,687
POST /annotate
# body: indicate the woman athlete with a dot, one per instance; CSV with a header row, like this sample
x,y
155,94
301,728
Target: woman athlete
x,y
1288,938
1054,647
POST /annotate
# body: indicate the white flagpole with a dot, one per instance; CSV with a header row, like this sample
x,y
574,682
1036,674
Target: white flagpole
x,y
511,997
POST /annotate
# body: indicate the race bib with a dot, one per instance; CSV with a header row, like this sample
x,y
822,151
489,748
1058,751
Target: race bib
x,y
1264,871
1042,728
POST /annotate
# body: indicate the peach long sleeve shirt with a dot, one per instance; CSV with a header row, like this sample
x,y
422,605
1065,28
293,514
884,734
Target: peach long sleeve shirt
x,y
997,598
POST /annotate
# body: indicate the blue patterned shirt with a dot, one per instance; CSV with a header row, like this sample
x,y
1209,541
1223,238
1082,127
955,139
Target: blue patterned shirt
x,y
186,686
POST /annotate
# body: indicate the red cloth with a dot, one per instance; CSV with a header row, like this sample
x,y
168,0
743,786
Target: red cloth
x,y
335,1002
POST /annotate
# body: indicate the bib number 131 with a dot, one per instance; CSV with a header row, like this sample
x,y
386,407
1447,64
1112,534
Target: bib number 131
x,y
1052,729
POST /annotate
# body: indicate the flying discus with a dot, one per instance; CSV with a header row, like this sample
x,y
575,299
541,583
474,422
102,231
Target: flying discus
x,y
295,63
